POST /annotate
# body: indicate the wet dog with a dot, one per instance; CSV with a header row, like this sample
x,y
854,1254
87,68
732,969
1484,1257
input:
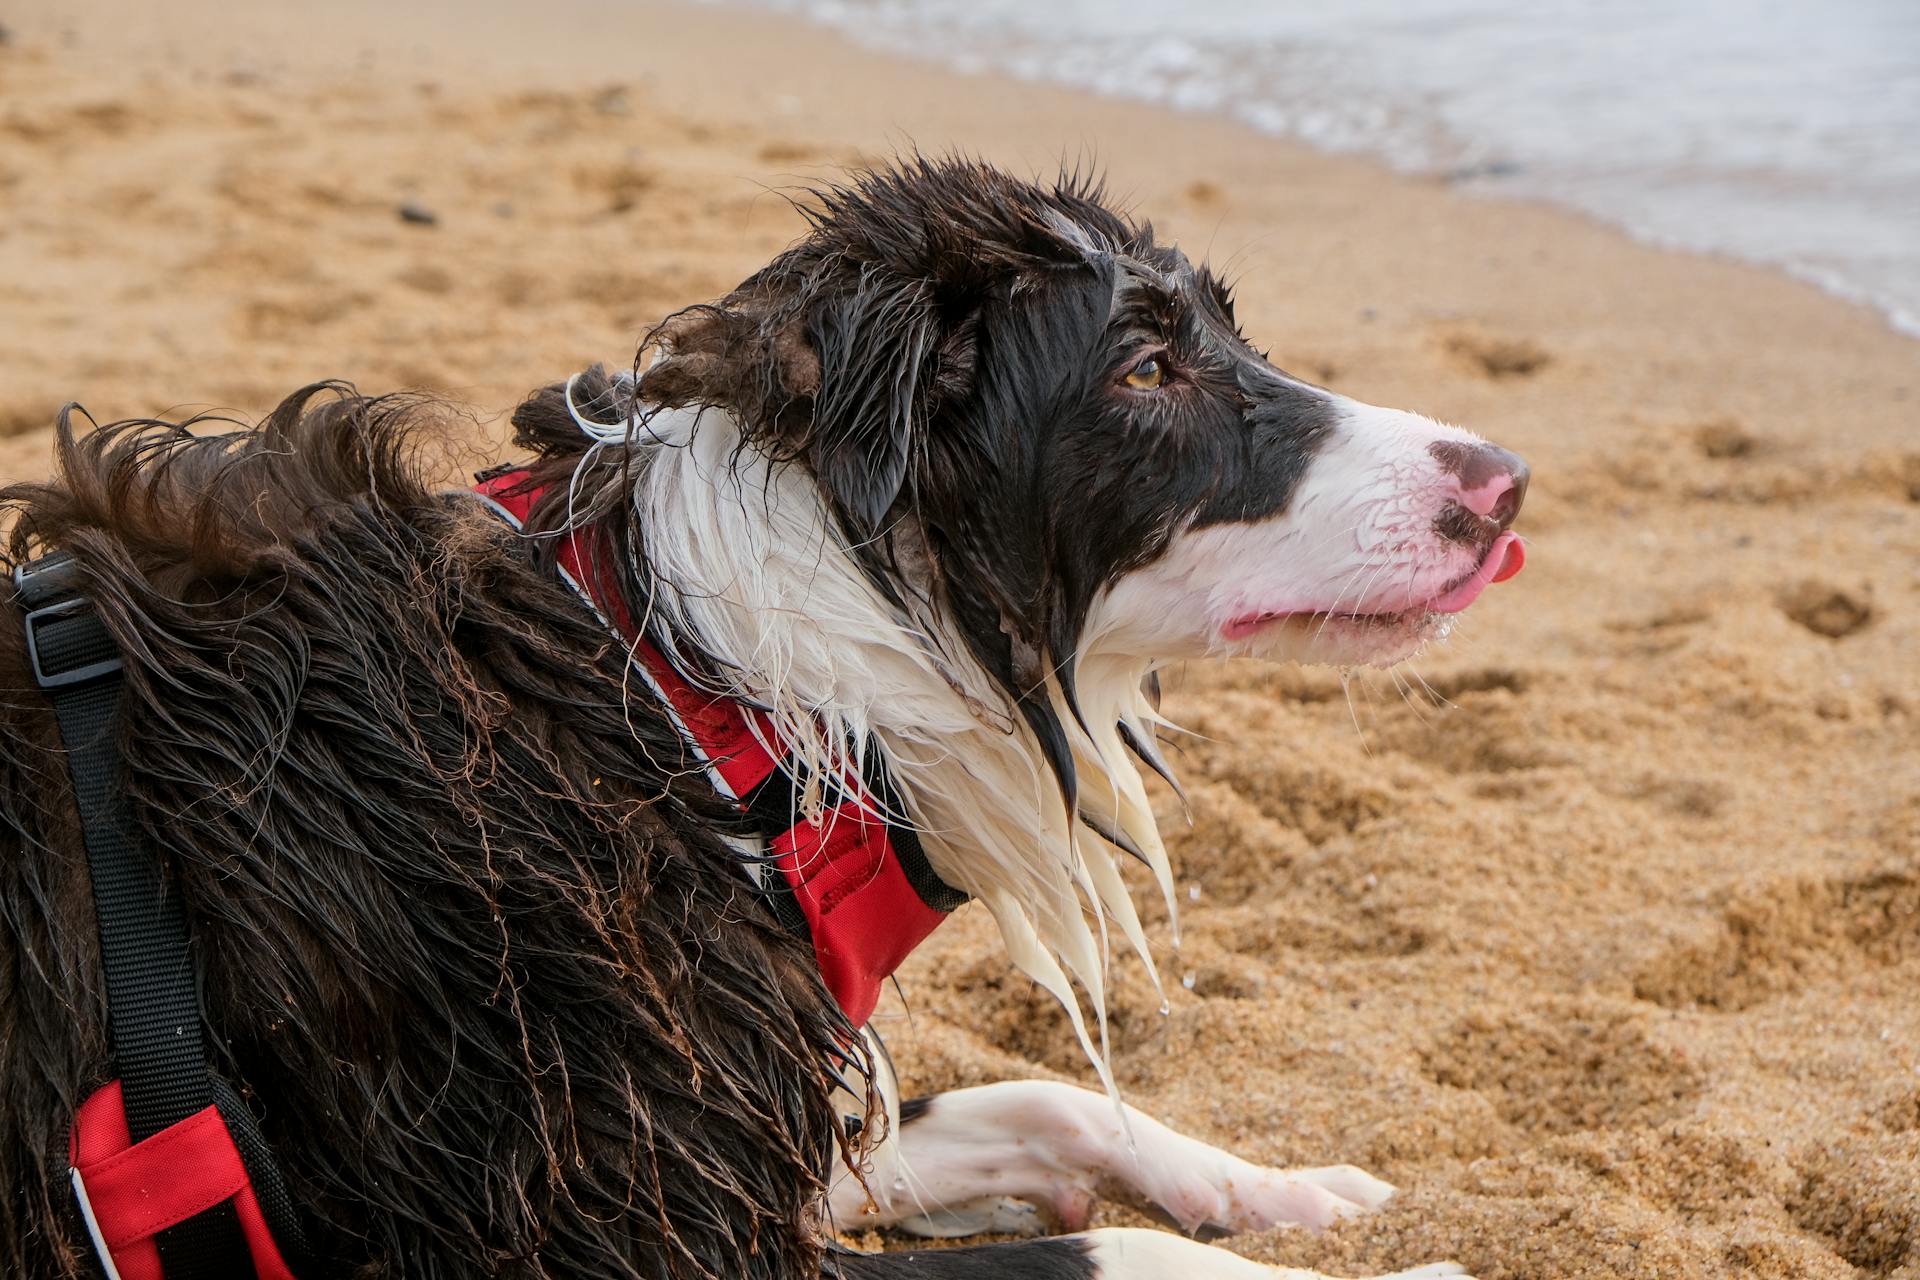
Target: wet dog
x,y
519,977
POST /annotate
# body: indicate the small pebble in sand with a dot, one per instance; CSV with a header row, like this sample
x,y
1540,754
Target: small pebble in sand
x,y
613,101
418,214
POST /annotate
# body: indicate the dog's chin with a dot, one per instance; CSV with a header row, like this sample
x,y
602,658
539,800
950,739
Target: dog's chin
x,y
1340,640
1378,638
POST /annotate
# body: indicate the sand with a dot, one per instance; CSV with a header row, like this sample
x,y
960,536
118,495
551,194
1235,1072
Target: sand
x,y
1604,943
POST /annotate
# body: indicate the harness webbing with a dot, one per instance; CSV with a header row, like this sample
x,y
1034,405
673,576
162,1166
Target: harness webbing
x,y
152,998
850,875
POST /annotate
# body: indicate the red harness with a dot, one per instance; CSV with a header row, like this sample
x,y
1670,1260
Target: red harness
x,y
132,1191
852,882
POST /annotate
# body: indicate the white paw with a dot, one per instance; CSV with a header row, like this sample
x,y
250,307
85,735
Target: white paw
x,y
1430,1272
1245,1197
1349,1183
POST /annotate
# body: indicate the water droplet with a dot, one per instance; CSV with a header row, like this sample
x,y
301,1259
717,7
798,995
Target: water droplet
x,y
1193,892
1187,979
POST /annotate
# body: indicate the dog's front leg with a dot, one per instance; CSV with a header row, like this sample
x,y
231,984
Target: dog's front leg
x,y
982,1159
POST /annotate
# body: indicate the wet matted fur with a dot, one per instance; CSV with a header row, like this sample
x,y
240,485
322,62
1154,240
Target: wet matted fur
x,y
463,924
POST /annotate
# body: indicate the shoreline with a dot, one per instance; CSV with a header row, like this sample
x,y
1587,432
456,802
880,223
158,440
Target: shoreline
x,y
1469,179
782,56
1604,953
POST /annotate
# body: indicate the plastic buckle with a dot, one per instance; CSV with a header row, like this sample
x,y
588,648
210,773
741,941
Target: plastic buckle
x,y
50,575
61,679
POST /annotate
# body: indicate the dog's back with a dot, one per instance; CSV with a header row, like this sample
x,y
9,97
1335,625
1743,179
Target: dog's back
x,y
450,900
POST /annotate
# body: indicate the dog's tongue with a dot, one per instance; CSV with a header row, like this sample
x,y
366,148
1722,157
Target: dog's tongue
x,y
1506,557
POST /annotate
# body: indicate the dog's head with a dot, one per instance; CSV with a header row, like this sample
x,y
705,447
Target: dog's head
x,y
1066,420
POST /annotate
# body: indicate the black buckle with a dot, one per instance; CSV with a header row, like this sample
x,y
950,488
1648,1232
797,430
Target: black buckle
x,y
78,675
51,578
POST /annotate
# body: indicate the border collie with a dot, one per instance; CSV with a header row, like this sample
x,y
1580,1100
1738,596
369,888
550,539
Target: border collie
x,y
506,963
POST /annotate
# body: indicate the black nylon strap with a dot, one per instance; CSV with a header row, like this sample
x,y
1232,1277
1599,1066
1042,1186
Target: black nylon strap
x,y
151,996
775,806
933,891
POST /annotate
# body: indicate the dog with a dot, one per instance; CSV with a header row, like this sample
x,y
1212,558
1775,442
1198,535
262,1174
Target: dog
x,y
517,974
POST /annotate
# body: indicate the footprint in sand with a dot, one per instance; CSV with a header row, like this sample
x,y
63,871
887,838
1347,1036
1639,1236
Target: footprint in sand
x,y
1825,609
1492,356
617,187
1491,726
1724,438
1859,1194
1788,933
1565,1067
782,151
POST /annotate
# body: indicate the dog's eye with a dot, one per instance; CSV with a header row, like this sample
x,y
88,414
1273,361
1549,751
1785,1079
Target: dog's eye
x,y
1147,375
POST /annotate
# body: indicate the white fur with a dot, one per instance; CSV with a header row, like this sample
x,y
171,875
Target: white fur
x,y
754,570
977,1158
1356,539
751,567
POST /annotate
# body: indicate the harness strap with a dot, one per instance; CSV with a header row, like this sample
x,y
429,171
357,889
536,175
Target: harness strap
x,y
164,1086
854,881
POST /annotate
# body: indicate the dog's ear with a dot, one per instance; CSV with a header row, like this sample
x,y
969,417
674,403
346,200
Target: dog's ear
x,y
879,348
846,375
735,354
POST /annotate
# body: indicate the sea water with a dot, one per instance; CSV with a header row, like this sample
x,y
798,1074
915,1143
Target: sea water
x,y
1784,133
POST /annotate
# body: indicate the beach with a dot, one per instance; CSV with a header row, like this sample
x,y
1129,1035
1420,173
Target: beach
x,y
1596,929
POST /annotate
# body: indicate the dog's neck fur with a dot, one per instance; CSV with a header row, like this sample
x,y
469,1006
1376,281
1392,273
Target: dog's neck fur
x,y
746,566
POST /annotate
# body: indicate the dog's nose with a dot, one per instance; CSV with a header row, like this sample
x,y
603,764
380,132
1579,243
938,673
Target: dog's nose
x,y
1488,480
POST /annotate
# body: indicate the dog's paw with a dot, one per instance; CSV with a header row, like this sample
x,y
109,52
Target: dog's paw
x,y
1432,1271
1354,1185
1262,1198
1236,1196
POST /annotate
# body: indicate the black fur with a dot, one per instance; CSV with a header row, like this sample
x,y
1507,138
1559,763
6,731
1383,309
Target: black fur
x,y
1063,1259
502,1002
465,927
947,352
